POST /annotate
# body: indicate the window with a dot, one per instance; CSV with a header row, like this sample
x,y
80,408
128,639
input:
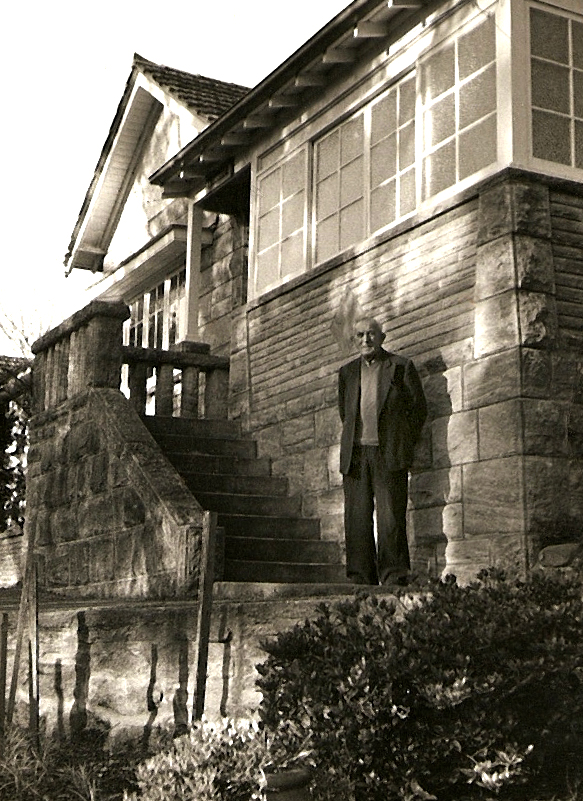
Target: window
x,y
556,47
155,315
365,171
282,222
458,89
432,129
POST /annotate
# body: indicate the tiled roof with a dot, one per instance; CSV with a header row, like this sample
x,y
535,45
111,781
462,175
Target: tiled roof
x,y
206,96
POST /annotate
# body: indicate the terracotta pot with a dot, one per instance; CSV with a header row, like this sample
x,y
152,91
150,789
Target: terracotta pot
x,y
289,785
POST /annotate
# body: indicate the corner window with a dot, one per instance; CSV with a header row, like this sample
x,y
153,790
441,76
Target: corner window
x,y
458,89
556,48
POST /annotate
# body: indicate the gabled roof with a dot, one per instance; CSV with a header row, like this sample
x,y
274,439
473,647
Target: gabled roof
x,y
206,96
206,99
335,48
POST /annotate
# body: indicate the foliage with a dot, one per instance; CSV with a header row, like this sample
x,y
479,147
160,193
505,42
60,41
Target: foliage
x,y
474,692
222,762
13,448
62,770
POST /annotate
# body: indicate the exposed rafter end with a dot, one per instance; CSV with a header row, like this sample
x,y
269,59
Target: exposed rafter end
x,y
282,101
369,30
176,188
257,121
190,174
337,56
309,80
234,139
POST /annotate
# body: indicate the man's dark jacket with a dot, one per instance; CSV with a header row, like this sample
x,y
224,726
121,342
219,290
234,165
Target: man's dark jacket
x,y
401,410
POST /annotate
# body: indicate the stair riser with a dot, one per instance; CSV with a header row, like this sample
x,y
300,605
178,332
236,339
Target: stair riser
x,y
249,504
225,465
270,527
235,448
193,427
238,485
284,573
278,550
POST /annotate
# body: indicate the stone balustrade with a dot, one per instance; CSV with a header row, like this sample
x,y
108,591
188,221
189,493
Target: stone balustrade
x,y
174,378
86,351
82,352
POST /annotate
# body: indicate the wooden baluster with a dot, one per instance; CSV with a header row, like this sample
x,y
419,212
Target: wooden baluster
x,y
215,394
189,394
138,374
164,390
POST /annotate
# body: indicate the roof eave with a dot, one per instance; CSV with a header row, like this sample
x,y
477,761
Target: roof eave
x,y
325,38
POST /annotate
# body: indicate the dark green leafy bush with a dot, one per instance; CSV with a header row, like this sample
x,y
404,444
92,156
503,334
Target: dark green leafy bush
x,y
475,692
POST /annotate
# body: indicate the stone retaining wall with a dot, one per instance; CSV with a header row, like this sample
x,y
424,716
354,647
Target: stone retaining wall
x,y
129,668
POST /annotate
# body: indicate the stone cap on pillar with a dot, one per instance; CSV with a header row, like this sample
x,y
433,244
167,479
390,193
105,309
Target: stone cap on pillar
x,y
117,310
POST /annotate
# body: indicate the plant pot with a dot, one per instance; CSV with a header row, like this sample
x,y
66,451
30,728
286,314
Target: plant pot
x,y
291,784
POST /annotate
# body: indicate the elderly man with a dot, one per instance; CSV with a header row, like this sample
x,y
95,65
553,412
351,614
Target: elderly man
x,y
382,408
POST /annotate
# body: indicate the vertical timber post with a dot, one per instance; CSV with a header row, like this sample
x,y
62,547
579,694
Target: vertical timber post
x,y
205,601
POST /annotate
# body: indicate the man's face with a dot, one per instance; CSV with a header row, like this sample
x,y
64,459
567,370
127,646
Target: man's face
x,y
368,338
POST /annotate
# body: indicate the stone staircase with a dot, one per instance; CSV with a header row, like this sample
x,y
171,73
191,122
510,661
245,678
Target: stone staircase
x,y
266,538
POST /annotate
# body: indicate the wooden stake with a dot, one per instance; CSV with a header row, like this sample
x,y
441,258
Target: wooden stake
x,y
205,602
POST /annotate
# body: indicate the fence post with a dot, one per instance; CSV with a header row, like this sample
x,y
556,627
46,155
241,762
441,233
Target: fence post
x,y
205,602
3,672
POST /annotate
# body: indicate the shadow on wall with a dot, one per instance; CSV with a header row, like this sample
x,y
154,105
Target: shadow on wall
x,y
435,485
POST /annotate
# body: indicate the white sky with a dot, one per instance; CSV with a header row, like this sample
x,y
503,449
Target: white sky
x,y
64,66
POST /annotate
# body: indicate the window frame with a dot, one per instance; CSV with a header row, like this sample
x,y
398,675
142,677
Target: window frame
x,y
143,298
567,10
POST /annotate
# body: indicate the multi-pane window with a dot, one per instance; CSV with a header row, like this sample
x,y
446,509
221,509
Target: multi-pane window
x,y
392,155
458,90
281,205
365,171
556,47
340,186
155,315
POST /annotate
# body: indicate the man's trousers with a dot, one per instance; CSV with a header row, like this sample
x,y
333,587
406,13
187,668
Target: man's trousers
x,y
367,486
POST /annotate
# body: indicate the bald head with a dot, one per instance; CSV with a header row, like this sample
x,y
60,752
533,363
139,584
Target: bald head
x,y
368,337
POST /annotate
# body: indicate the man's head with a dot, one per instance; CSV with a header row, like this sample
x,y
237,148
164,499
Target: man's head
x,y
368,337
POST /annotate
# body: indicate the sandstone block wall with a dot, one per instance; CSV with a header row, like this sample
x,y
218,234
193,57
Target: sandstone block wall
x,y
109,515
223,282
487,298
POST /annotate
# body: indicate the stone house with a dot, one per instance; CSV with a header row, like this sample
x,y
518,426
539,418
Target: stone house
x,y
419,160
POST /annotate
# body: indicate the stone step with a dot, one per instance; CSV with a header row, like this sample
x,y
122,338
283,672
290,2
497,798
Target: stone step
x,y
265,549
271,527
237,485
192,427
184,445
283,572
263,505
224,465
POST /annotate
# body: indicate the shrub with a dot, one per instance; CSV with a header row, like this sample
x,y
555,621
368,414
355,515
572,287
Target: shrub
x,y
212,763
472,692
79,770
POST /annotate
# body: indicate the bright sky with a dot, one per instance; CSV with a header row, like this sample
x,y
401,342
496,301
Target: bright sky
x,y
65,64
